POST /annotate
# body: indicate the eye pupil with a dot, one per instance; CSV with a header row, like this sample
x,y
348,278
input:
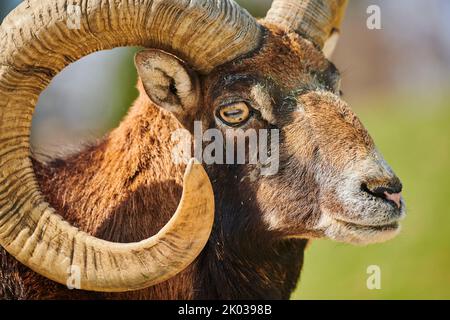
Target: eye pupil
x,y
234,114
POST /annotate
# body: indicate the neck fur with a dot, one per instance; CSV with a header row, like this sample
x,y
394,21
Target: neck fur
x,y
113,191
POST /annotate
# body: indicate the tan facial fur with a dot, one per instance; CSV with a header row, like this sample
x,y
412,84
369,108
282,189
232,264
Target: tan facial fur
x,y
327,157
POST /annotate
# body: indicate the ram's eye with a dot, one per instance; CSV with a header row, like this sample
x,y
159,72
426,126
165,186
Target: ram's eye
x,y
234,114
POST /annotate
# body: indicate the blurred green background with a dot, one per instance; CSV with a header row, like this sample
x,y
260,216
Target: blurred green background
x,y
398,81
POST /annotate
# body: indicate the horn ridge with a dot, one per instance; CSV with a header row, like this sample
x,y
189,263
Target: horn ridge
x,y
313,19
39,39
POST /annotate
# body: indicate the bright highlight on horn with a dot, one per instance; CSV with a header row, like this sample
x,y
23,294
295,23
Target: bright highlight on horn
x,y
316,20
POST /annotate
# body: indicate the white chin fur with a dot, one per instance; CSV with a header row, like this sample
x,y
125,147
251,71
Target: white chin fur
x,y
352,234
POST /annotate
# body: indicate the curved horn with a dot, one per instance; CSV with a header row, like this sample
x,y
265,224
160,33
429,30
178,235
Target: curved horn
x,y
37,40
316,20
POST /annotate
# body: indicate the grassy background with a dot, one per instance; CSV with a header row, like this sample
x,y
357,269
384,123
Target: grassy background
x,y
415,265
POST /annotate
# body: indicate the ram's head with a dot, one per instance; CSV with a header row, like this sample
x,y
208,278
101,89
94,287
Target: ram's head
x,y
210,61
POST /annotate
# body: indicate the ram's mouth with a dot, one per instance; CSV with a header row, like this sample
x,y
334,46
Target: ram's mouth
x,y
364,216
390,227
362,234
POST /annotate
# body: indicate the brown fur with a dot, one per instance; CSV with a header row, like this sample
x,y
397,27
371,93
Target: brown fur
x,y
126,187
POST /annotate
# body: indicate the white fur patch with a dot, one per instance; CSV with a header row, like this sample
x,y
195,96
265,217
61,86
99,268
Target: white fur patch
x,y
264,101
362,217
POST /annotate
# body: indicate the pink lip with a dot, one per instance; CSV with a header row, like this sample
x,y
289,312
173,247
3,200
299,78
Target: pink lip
x,y
395,197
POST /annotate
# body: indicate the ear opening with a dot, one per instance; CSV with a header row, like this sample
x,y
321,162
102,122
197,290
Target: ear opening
x,y
169,82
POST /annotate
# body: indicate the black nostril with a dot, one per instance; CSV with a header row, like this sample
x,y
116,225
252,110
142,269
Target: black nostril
x,y
380,192
393,187
377,192
391,192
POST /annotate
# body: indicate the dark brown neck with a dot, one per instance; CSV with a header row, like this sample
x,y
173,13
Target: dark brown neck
x,y
126,188
243,260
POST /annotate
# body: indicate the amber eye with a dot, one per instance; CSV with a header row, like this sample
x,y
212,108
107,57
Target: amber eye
x,y
234,114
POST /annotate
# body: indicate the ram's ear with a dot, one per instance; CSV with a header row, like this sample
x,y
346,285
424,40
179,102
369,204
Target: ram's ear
x,y
169,83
